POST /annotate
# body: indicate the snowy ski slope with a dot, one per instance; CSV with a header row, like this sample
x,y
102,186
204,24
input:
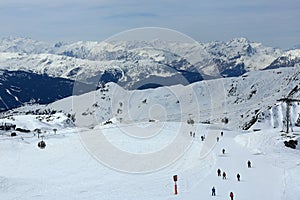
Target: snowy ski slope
x,y
66,169
88,161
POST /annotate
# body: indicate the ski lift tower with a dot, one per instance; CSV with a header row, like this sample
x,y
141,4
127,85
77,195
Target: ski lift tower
x,y
288,101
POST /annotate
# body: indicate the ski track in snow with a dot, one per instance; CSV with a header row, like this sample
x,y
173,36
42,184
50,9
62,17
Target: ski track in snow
x,y
16,98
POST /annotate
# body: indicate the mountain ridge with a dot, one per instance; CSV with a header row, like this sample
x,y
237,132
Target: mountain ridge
x,y
85,59
206,101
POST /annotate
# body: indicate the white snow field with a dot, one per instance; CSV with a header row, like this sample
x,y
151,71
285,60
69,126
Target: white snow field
x,y
65,169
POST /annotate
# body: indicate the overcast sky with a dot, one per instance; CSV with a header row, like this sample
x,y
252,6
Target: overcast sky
x,y
272,22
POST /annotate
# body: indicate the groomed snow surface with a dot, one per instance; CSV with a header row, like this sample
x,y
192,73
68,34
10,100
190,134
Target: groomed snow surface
x,y
66,170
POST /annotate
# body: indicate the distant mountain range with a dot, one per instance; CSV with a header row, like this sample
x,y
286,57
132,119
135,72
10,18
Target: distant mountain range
x,y
130,64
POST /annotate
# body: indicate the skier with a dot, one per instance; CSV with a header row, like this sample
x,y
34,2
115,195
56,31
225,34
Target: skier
x,y
213,191
193,134
224,175
202,138
223,151
218,139
249,164
238,176
221,133
219,172
231,195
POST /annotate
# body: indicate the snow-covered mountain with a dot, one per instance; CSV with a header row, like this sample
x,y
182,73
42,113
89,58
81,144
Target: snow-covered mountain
x,y
127,74
239,56
23,45
132,63
239,99
288,59
138,64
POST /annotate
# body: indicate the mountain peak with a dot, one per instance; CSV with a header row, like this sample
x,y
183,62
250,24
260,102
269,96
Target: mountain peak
x,y
240,40
23,45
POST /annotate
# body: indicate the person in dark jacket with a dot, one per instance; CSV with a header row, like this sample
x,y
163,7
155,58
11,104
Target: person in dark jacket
x,y
213,191
249,164
238,176
231,195
221,133
223,151
219,172
224,175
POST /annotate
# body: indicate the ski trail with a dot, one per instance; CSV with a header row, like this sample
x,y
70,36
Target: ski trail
x,y
253,180
4,103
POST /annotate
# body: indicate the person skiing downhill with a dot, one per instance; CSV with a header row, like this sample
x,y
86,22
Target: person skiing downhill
x,y
213,191
231,195
238,176
221,133
223,151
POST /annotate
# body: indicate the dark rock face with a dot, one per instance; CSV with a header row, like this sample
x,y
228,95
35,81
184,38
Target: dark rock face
x,y
19,87
283,61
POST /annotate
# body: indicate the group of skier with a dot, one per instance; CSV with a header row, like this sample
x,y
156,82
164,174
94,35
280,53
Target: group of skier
x,y
219,173
213,193
238,176
192,134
